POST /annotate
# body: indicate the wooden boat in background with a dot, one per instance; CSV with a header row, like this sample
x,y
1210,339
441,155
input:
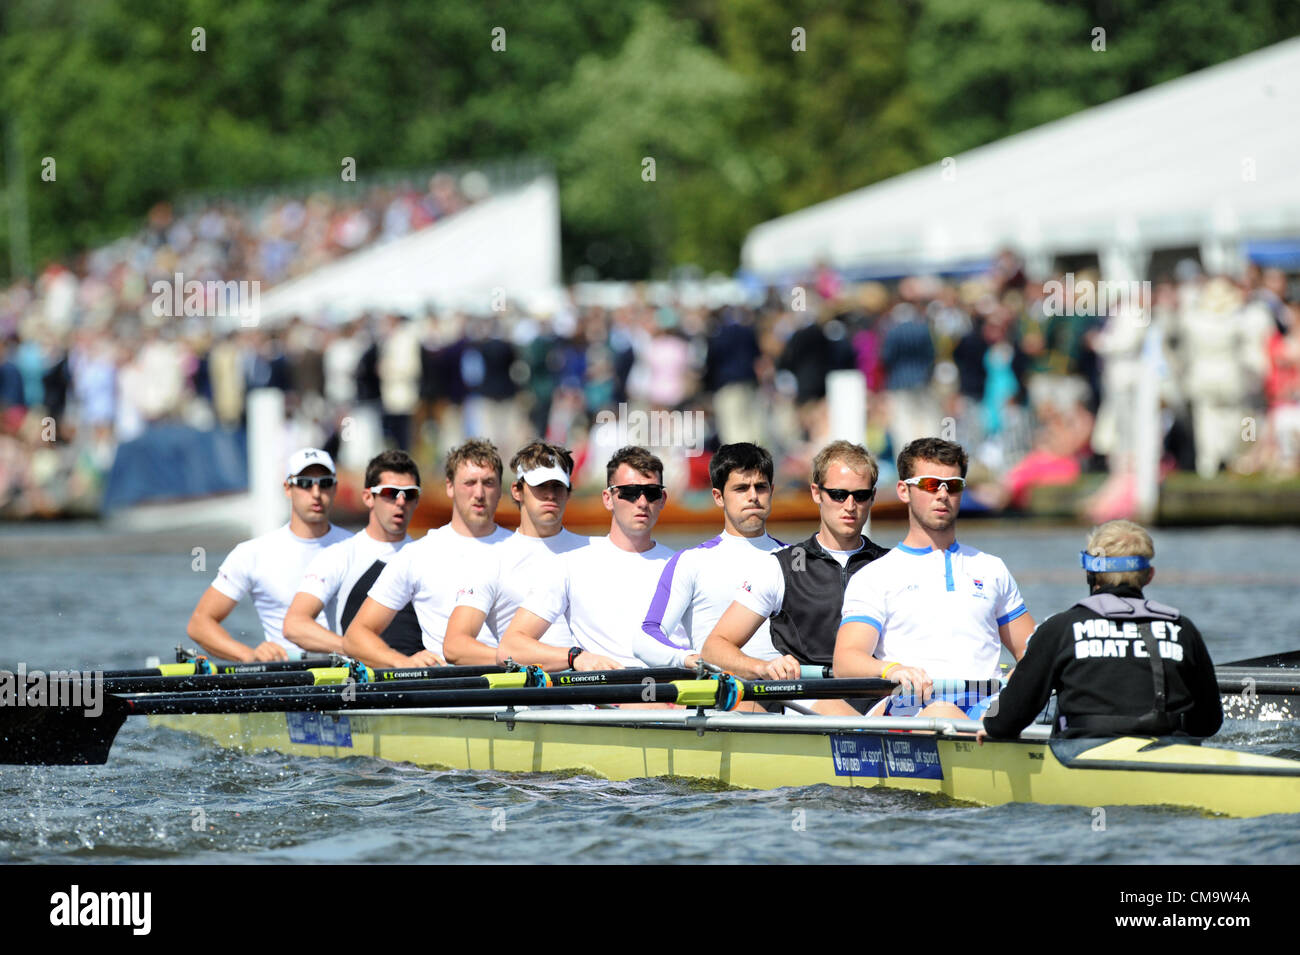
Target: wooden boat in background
x,y
693,510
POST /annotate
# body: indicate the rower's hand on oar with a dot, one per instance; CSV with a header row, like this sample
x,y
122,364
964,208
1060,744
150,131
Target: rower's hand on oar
x,y
692,659
782,668
269,652
981,734
586,660
913,680
424,658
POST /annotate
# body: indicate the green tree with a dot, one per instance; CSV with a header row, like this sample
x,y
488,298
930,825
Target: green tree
x,y
665,100
835,110
985,69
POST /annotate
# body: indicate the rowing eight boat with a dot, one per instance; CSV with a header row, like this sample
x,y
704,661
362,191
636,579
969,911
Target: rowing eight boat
x,y
766,752
481,718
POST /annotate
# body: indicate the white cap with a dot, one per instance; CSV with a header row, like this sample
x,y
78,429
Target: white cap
x,y
541,475
300,461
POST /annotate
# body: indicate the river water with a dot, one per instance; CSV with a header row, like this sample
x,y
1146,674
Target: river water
x,y
76,597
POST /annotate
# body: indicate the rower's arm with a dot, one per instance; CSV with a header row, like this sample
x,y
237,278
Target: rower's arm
x,y
363,641
855,646
300,625
652,645
1015,635
206,630
522,642
461,645
723,645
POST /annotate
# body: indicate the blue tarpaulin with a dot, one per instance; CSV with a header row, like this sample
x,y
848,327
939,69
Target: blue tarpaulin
x,y
171,462
1275,253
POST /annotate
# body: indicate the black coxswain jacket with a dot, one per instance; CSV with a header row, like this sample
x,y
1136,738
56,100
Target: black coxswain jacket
x,y
1097,656
809,617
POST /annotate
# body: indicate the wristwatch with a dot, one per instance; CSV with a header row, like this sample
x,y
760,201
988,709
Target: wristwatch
x,y
574,653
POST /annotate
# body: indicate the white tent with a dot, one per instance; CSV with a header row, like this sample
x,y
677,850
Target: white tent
x,y
510,242
1210,160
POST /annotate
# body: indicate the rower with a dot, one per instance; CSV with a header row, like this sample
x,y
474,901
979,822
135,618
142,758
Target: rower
x,y
932,608
270,567
492,588
800,588
594,587
1120,664
699,584
342,575
418,574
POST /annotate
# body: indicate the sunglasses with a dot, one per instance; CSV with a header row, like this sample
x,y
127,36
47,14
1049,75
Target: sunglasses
x,y
633,492
389,492
306,483
931,485
839,494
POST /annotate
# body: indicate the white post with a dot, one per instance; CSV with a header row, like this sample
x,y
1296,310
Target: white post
x,y
1147,426
846,399
362,438
266,460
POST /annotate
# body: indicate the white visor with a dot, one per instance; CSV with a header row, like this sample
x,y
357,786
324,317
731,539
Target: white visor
x,y
541,475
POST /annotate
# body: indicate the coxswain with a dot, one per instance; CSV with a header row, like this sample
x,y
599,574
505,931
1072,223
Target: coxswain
x,y
343,574
493,586
418,574
699,583
1120,663
932,608
599,589
269,568
800,589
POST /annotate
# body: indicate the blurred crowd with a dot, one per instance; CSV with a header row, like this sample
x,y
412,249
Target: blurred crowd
x,y
87,361
1038,388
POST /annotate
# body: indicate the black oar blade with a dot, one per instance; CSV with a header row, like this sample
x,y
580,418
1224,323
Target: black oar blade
x,y
59,735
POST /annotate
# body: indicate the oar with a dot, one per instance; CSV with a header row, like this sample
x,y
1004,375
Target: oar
x,y
70,735
193,668
428,678
322,676
1263,681
1290,659
704,693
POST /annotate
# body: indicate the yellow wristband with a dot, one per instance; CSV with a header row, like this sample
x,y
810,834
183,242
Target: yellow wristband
x,y
885,672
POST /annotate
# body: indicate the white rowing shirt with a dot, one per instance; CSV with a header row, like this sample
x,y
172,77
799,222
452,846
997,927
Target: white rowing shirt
x,y
424,574
937,610
600,591
270,568
497,582
335,571
695,589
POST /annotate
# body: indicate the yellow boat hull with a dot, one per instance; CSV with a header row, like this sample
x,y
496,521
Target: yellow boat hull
x,y
1125,771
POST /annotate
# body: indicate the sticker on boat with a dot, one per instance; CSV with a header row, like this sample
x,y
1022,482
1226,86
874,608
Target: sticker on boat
x,y
914,758
856,754
319,729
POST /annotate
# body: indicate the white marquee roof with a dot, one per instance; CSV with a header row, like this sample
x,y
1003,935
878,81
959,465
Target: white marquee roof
x,y
1169,166
510,242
